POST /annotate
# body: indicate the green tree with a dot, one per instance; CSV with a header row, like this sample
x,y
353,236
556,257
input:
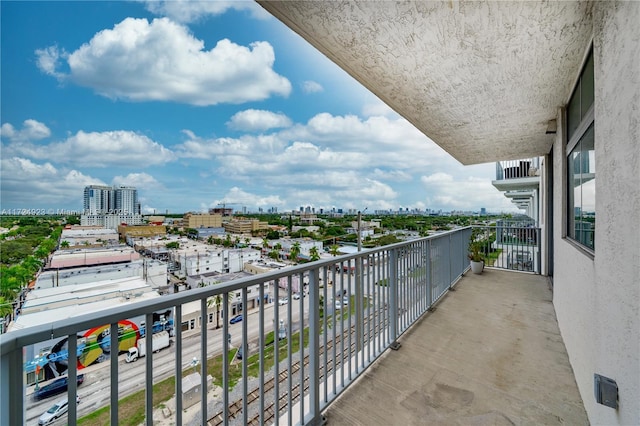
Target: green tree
x,y
227,241
334,250
313,253
294,252
274,254
217,301
173,245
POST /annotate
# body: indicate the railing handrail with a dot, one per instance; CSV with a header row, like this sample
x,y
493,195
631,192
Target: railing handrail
x,y
17,339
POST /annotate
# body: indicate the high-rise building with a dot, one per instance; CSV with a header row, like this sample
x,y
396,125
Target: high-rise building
x,y
126,200
97,199
110,206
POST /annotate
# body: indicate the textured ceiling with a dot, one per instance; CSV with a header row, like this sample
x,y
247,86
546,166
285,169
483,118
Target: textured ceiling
x,y
481,79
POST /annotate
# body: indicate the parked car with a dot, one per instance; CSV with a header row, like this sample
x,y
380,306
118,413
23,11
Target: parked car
x,y
296,296
56,411
57,386
235,319
337,304
283,301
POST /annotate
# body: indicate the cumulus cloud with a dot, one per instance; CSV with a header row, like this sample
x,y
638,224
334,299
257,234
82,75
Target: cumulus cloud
x,y
32,130
161,60
118,148
448,192
236,198
311,87
187,11
138,180
378,108
55,188
48,60
253,120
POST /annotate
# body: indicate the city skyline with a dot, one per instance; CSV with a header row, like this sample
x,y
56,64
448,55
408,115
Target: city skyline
x,y
203,104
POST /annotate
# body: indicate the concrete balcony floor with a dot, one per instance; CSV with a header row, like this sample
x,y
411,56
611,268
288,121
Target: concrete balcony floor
x,y
490,354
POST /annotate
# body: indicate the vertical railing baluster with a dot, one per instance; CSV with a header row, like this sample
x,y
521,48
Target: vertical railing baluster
x,y
177,327
393,298
245,358
203,360
114,342
314,350
261,343
148,334
225,359
72,378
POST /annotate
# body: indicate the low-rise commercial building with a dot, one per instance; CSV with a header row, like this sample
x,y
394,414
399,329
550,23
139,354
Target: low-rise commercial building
x,y
64,259
191,220
245,226
128,232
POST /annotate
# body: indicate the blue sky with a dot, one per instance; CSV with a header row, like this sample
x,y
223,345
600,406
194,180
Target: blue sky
x,y
200,103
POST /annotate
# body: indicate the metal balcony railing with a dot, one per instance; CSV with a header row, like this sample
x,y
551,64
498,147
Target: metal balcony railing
x,y
284,362
513,245
515,169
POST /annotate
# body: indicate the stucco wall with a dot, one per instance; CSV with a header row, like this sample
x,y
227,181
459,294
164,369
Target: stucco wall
x,y
597,300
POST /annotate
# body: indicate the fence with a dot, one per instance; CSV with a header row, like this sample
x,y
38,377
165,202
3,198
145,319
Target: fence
x,y
281,362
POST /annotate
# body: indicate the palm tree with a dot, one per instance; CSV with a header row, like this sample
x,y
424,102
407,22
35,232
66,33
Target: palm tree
x,y
64,244
217,300
334,250
313,252
294,252
277,248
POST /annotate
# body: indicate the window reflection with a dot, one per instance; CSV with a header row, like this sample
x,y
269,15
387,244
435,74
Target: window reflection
x,y
582,200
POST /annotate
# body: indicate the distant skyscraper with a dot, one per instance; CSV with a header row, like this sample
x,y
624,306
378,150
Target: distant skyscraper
x,y
126,200
110,206
98,199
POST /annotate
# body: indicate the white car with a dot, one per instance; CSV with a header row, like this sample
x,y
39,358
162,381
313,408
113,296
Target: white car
x,y
57,410
283,301
337,304
296,296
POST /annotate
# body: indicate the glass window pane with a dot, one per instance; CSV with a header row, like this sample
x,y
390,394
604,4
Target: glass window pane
x,y
573,113
586,87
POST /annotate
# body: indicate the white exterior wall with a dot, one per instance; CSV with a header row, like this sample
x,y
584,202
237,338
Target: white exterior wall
x,y
222,261
597,300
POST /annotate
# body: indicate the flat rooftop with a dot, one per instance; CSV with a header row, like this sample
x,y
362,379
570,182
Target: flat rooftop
x,y
490,354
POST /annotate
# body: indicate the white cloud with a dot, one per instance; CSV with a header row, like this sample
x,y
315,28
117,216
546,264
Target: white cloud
x,y
311,87
236,198
48,60
469,193
137,180
187,11
252,120
26,184
118,148
32,130
163,61
378,108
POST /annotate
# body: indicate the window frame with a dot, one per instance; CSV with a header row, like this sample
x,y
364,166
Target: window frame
x,y
586,122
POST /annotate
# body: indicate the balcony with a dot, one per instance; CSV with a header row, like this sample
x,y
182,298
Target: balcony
x,y
517,175
491,350
491,353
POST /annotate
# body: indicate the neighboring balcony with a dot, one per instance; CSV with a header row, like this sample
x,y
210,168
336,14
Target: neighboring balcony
x,y
328,335
517,175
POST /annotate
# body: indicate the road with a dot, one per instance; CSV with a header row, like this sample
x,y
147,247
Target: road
x,y
95,391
